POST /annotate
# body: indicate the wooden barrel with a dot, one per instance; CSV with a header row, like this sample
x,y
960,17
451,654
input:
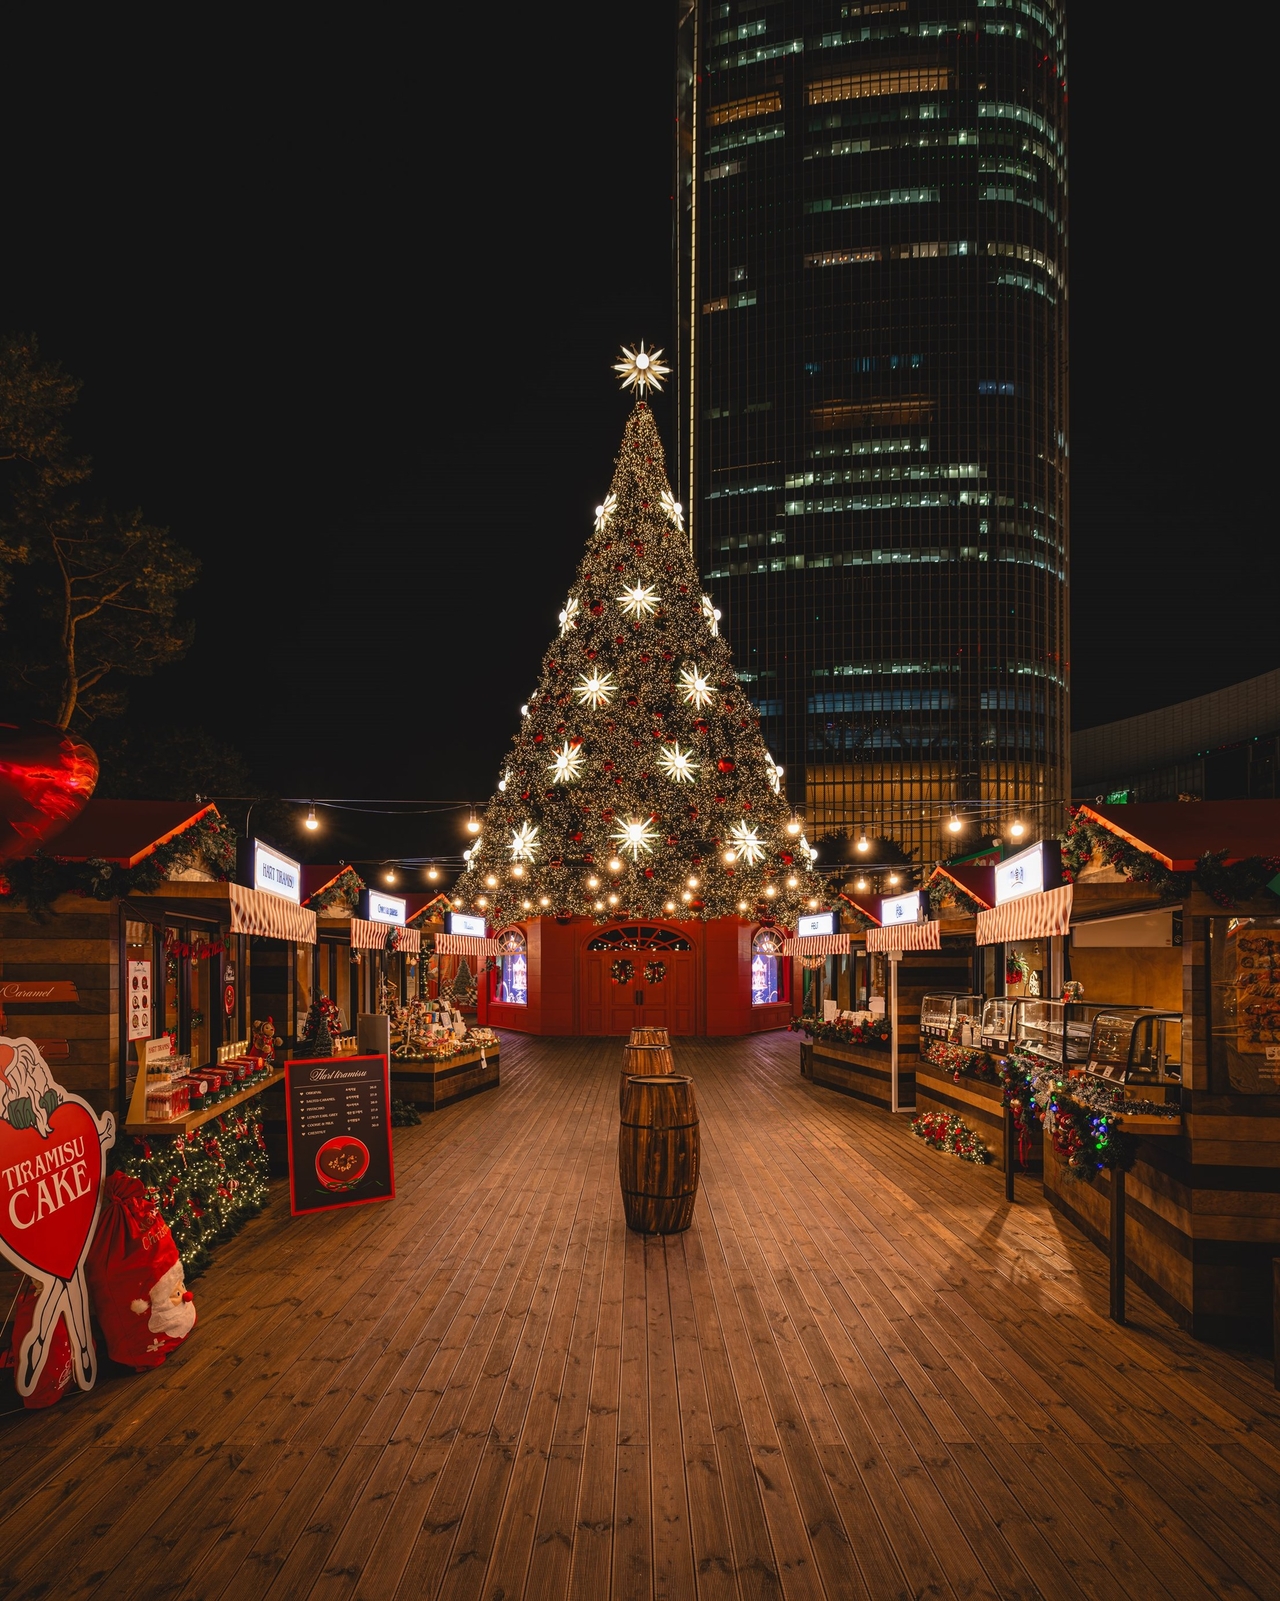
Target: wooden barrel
x,y
658,1153
643,1059
650,1036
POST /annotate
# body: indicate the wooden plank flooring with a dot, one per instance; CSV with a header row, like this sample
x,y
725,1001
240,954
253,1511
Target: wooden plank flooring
x,y
859,1375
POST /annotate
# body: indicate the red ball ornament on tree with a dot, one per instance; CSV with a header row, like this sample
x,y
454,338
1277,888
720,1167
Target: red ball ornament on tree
x,y
46,776
725,765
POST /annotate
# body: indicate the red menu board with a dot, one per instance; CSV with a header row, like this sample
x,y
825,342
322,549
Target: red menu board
x,y
339,1112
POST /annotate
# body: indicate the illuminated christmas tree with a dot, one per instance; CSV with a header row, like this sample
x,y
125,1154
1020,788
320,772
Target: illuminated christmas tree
x,y
638,784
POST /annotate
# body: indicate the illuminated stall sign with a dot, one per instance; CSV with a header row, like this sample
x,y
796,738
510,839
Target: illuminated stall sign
x,y
895,909
817,923
1037,868
265,868
379,908
461,923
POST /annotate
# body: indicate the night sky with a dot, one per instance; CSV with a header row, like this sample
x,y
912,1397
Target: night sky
x,y
345,305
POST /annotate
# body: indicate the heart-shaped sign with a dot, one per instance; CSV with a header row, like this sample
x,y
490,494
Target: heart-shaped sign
x,y
49,1191
46,776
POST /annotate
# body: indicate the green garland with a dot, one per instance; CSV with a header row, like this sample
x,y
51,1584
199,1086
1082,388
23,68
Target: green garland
x,y
945,1131
207,1183
343,892
874,1031
1227,885
38,880
946,889
855,914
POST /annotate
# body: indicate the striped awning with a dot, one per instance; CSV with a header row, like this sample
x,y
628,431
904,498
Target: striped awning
x,y
1029,917
370,936
906,937
817,945
466,945
254,911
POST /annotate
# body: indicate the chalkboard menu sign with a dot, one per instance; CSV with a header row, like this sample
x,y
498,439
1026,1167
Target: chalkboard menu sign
x,y
339,1132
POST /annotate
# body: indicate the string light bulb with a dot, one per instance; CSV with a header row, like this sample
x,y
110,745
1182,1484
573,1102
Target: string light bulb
x,y
864,844
433,873
893,878
693,883
792,882
954,824
526,905
491,881
1017,828
593,883
544,900
742,906
861,884
615,866
389,877
481,902
473,822
794,826
671,906
729,858
813,904
687,896
770,891
613,900
517,871
313,821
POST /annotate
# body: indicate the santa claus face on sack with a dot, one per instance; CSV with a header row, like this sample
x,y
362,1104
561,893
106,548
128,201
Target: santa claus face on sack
x,y
172,1308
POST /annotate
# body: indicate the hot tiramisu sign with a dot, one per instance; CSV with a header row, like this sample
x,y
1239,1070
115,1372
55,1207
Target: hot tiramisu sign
x,y
32,991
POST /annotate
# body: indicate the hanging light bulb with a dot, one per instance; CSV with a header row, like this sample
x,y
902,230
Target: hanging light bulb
x,y
893,878
864,844
473,822
1017,828
312,820
433,874
389,877
861,884
794,826
954,824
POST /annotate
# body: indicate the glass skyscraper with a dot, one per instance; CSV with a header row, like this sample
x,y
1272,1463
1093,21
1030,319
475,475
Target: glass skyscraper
x,y
872,295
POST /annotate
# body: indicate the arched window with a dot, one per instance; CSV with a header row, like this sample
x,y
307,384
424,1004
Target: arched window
x,y
766,968
511,980
639,937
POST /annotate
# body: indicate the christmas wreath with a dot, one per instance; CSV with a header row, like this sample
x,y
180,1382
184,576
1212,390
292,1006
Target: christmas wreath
x,y
622,971
655,972
944,1131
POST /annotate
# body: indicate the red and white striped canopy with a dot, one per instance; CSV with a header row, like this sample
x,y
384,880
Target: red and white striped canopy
x,y
906,937
370,936
466,945
254,911
1036,916
817,945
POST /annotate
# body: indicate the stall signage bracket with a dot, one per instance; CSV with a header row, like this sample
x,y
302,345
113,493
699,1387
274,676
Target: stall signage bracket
x,y
339,1122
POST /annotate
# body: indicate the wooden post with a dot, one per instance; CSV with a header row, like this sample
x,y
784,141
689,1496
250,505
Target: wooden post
x,y
891,957
1275,1316
1117,1245
1010,1151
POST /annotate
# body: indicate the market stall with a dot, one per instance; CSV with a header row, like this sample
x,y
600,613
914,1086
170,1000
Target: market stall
x,y
436,1058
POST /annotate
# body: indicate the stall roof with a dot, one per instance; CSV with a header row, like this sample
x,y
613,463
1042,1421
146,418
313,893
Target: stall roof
x,y
123,832
864,904
422,903
317,876
1178,833
980,882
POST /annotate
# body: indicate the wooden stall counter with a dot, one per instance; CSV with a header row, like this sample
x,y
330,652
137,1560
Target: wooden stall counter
x,y
193,1120
430,1083
981,1105
863,1071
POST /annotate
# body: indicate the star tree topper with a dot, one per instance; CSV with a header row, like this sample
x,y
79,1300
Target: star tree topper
x,y
641,369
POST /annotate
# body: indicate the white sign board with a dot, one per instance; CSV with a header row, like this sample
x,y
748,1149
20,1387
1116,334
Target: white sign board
x,y
460,923
1020,875
138,1000
896,909
276,873
386,908
818,923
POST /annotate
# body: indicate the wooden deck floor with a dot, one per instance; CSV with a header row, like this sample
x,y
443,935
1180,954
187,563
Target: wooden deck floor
x,y
860,1374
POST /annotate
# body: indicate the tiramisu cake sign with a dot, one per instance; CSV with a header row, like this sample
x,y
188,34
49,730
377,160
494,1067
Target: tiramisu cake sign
x,y
53,1157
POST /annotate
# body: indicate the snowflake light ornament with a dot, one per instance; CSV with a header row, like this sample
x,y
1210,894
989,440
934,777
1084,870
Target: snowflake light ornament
x,y
773,773
636,838
677,764
569,616
567,766
595,689
746,844
640,601
524,843
605,511
640,369
711,615
672,508
695,687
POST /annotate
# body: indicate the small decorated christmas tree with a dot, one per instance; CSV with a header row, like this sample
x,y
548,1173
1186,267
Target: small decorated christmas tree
x,y
638,784
316,1039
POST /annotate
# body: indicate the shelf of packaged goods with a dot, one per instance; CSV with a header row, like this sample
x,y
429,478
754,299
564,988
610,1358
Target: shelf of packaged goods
x,y
206,1114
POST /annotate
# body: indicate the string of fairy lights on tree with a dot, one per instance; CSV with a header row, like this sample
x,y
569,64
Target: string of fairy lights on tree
x,y
638,783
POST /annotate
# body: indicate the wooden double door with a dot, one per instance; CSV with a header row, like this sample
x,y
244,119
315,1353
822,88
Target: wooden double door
x,y
660,991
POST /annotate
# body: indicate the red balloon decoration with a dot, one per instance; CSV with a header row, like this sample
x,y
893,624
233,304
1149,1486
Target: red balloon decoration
x,y
46,776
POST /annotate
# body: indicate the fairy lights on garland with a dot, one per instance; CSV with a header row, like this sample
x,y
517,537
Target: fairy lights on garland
x,y
207,1183
945,1131
1227,885
638,785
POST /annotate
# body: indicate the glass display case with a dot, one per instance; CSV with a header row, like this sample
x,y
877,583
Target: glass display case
x,y
1132,1046
954,1018
1062,1031
999,1019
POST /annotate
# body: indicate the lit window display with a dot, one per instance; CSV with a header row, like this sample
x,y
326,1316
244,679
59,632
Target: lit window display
x,y
513,971
766,968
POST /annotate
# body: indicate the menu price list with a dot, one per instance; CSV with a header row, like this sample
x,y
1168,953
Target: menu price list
x,y
339,1132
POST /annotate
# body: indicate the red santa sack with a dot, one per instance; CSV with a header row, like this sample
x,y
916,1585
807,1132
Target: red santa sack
x,y
135,1278
56,1374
